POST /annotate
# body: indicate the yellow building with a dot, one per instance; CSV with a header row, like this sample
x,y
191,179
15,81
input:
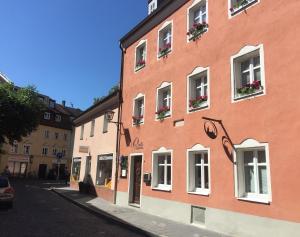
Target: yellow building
x,y
39,153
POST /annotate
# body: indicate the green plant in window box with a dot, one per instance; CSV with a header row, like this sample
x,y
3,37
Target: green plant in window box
x,y
163,52
137,119
239,4
250,88
198,102
197,30
162,112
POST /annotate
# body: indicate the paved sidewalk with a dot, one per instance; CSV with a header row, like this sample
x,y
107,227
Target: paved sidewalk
x,y
133,218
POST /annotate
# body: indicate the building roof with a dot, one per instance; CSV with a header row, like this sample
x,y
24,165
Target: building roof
x,y
4,78
109,102
165,9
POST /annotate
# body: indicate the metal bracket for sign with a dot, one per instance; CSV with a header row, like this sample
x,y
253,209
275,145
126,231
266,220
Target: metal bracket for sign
x,y
221,123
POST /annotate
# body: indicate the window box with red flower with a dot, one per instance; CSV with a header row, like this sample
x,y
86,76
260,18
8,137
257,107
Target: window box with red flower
x,y
197,30
140,64
240,5
164,51
163,112
137,120
199,102
249,89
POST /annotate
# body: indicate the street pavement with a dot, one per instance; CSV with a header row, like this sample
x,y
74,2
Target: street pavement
x,y
38,212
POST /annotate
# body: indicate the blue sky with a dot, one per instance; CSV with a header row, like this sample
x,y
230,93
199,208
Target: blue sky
x,y
69,49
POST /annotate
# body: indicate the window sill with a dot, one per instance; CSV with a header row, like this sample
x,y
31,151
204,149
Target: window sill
x,y
256,200
138,124
202,193
242,8
165,189
138,68
197,35
204,106
163,118
162,55
241,97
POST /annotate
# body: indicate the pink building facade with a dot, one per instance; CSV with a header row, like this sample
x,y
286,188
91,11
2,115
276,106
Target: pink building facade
x,y
210,115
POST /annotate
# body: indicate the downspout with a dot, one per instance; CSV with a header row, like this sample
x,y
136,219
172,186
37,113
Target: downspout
x,y
119,126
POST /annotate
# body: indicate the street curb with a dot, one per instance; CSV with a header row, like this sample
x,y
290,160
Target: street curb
x,y
106,215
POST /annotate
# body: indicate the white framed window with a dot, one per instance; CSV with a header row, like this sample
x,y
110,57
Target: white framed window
x,y
252,172
63,152
140,55
162,170
247,73
165,42
56,135
57,117
81,132
164,101
152,5
46,133
54,151
47,115
198,89
237,6
27,149
138,110
104,170
198,175
92,128
197,19
45,151
15,147
52,104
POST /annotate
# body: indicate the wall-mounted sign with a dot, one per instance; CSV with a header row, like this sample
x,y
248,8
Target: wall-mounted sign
x,y
137,144
123,166
76,159
105,157
84,149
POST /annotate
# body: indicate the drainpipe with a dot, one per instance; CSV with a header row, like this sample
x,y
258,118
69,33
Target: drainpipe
x,y
119,125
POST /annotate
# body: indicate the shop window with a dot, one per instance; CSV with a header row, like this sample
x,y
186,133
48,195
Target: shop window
x,y
104,170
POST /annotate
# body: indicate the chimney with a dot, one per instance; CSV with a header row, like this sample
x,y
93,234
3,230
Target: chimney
x,y
64,103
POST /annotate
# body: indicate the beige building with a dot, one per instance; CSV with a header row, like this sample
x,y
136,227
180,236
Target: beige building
x,y
94,153
39,154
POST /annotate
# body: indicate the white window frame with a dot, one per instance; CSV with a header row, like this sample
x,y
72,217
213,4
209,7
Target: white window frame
x,y
81,131
47,115
241,9
137,98
57,117
154,180
24,149
142,43
196,72
54,151
240,194
190,11
46,133
245,52
15,147
197,149
56,137
44,149
165,25
92,132
152,6
163,86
